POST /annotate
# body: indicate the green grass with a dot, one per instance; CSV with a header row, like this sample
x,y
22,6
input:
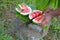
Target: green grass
x,y
4,36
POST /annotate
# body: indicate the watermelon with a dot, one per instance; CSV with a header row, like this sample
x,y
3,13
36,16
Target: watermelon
x,y
36,15
38,19
24,9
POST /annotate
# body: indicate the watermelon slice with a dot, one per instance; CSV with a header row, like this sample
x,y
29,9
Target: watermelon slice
x,y
38,19
38,14
34,14
24,9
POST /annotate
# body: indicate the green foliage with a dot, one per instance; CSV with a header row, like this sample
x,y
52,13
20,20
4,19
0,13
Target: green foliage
x,y
41,4
58,3
41,38
23,18
53,4
5,37
54,24
2,35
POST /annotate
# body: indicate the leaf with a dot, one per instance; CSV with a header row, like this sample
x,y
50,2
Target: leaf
x,y
41,4
53,4
33,7
58,3
23,17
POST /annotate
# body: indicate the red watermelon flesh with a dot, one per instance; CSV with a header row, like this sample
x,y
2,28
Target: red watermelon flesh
x,y
38,19
37,16
24,8
35,13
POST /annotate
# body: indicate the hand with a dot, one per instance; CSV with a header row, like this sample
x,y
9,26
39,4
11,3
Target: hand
x,y
47,17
